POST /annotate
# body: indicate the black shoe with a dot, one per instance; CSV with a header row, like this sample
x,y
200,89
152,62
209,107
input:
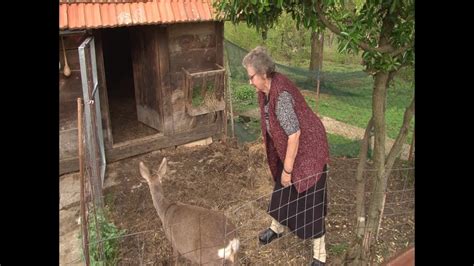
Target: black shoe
x,y
316,262
267,236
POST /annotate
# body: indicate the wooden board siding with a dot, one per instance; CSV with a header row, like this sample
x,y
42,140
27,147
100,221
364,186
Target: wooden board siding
x,y
158,55
166,89
219,43
221,116
70,88
192,46
71,43
144,145
104,99
146,73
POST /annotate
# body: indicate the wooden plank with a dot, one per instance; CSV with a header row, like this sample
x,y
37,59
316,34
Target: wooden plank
x,y
68,142
68,165
189,36
150,144
198,59
219,121
201,110
177,81
192,41
197,28
216,78
166,90
72,59
219,43
192,44
104,99
71,42
147,77
201,74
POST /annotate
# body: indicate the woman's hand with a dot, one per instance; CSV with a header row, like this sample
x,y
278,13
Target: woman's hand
x,y
285,179
291,151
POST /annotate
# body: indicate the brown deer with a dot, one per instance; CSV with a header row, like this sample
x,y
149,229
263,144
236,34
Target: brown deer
x,y
201,235
405,257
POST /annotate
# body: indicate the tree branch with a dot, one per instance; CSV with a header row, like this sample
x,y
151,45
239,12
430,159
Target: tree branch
x,y
360,187
402,135
363,45
401,50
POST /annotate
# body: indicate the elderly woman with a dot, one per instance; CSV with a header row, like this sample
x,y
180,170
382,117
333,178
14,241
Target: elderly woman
x,y
297,153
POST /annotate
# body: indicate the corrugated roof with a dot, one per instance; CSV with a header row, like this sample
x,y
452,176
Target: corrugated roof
x,y
100,1
86,15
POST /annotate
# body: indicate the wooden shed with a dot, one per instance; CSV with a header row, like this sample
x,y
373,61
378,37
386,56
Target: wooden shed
x,y
150,72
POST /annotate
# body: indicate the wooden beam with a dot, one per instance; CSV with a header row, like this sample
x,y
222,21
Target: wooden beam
x,y
220,43
166,89
144,145
147,78
206,73
104,99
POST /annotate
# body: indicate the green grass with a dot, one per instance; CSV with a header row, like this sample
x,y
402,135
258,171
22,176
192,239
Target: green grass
x,y
343,147
338,249
197,99
244,97
338,145
346,91
347,100
296,57
346,95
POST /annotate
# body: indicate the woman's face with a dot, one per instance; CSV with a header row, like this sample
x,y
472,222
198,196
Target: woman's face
x,y
256,80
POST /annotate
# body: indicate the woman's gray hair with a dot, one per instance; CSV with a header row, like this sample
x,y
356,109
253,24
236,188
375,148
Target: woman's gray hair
x,y
259,59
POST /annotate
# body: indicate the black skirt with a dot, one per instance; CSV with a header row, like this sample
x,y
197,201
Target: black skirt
x,y
303,213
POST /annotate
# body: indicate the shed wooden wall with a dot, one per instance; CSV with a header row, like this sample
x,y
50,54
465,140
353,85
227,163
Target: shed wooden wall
x,y
197,47
69,90
147,74
194,46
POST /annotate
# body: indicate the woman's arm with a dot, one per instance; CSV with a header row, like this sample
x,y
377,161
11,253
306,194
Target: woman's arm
x,y
291,151
289,122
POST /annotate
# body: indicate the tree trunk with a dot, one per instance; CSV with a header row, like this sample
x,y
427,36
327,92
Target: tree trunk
x,y
411,154
381,82
355,250
396,149
379,184
316,62
331,37
317,43
264,35
360,186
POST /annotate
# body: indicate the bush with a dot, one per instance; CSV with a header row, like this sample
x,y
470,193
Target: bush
x,y
244,93
110,235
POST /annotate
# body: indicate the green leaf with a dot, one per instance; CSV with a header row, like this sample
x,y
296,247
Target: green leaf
x,y
393,6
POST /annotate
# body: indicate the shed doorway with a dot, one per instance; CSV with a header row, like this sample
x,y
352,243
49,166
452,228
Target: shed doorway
x,y
120,87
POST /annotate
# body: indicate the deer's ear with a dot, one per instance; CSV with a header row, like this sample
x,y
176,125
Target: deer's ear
x,y
162,169
144,172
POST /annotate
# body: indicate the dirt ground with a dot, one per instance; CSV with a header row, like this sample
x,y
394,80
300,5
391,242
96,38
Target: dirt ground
x,y
235,179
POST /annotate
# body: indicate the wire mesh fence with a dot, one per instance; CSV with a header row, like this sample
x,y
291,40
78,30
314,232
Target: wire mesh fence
x,y
341,99
251,217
